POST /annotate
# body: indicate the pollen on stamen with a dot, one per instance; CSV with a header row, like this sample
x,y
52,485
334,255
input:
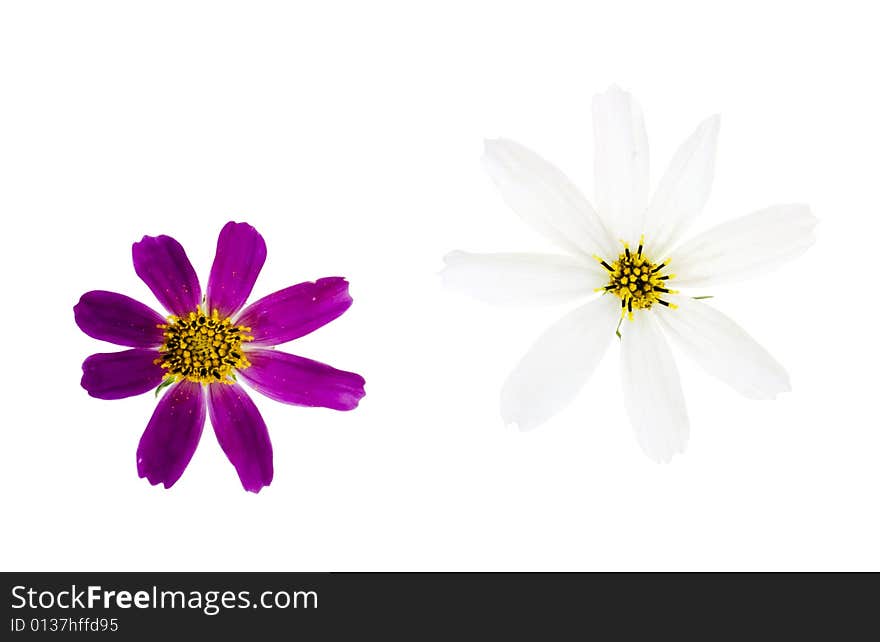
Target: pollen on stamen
x,y
636,280
202,348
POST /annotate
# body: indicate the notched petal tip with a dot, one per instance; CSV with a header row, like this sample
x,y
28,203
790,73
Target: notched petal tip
x,y
783,387
504,154
344,287
513,423
494,151
666,458
356,395
614,96
709,129
79,311
491,145
146,240
243,227
155,480
243,224
712,122
802,214
663,456
612,90
451,259
256,485
338,281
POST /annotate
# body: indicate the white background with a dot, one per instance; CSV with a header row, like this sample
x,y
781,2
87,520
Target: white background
x,y
350,135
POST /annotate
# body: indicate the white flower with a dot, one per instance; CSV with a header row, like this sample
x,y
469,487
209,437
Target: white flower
x,y
629,249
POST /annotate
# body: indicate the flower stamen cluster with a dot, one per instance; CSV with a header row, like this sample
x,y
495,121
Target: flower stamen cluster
x,y
638,281
202,348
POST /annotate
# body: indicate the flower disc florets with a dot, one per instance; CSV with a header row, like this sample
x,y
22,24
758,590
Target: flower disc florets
x,y
202,348
638,281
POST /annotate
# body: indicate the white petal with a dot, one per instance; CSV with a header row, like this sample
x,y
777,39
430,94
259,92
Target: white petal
x,y
723,349
560,362
545,198
744,247
652,389
522,279
621,162
684,189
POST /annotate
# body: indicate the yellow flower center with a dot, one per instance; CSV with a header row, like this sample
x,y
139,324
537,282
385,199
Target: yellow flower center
x,y
638,281
202,348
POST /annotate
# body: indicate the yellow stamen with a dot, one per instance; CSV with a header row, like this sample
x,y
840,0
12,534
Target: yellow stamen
x,y
636,280
202,348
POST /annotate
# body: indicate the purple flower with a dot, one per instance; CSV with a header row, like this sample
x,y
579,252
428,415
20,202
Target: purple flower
x,y
205,346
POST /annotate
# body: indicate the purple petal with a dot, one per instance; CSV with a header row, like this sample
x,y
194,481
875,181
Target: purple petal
x,y
295,311
242,434
118,319
118,375
162,264
303,382
172,435
241,252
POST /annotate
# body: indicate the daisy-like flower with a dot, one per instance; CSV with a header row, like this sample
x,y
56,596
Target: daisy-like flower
x,y
202,348
630,250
